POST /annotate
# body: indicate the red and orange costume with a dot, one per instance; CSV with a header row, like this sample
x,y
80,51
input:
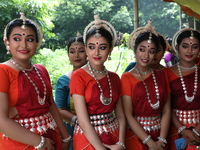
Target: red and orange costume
x,y
149,118
31,115
187,113
101,116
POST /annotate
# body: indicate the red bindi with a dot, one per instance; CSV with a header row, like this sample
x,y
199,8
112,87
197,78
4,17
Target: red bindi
x,y
148,45
97,42
23,34
191,42
76,47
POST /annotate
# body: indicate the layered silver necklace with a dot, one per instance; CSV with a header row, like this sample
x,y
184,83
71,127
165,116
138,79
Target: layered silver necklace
x,y
187,98
41,101
103,99
157,104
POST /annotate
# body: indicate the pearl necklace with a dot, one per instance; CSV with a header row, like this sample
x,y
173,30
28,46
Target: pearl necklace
x,y
41,101
157,104
189,99
103,99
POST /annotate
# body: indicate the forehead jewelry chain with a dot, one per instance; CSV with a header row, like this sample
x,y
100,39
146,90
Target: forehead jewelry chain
x,y
41,101
189,99
103,99
157,104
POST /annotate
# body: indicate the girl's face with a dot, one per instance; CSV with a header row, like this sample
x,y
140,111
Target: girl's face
x,y
145,53
188,49
22,43
97,50
77,55
159,55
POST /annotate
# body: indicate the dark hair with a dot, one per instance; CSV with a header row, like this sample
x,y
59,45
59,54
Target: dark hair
x,y
162,42
104,33
187,34
74,39
145,36
19,23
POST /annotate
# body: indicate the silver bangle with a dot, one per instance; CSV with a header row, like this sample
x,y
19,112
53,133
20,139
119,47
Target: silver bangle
x,y
162,139
181,129
145,141
73,120
122,144
67,139
195,131
41,143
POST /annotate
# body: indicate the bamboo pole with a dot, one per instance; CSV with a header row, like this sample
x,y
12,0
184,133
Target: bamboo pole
x,y
136,19
180,21
195,23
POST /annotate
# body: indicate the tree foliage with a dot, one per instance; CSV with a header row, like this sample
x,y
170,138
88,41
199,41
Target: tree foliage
x,y
73,15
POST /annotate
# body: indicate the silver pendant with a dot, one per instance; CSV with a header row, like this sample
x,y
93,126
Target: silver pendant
x,y
189,99
41,101
156,105
104,100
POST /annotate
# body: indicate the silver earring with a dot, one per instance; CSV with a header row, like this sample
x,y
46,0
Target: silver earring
x,y
8,52
109,57
8,49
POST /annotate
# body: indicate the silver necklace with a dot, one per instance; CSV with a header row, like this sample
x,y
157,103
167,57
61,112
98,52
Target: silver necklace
x,y
103,99
187,98
41,101
97,71
191,68
157,104
144,72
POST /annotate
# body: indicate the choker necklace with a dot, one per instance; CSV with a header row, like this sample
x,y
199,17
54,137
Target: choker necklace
x,y
41,101
157,104
143,72
103,99
189,99
191,68
97,71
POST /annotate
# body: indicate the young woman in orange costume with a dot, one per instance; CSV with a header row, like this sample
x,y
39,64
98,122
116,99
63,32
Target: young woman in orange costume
x,y
145,95
185,82
96,94
28,115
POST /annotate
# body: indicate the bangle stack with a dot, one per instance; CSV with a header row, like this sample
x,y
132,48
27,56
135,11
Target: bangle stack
x,y
122,144
145,141
181,129
162,139
73,120
195,131
41,143
67,139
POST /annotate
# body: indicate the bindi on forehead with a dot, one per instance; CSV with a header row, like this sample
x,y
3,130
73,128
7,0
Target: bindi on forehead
x,y
97,43
23,34
191,42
